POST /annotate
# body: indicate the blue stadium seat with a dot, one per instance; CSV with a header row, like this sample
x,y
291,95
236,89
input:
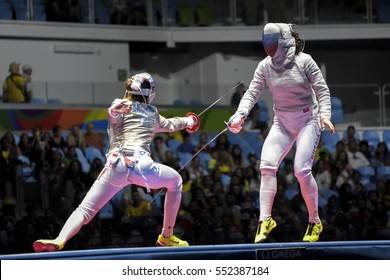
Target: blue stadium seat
x,y
264,113
204,159
179,102
54,101
21,10
383,172
337,110
329,139
92,152
184,159
5,11
36,100
39,12
372,137
196,102
367,172
337,116
386,136
84,162
172,144
336,103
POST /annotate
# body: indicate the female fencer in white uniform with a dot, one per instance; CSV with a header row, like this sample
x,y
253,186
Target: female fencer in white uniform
x,y
302,110
133,122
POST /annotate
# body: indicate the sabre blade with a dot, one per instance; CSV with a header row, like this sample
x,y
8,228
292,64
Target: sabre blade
x,y
226,94
201,149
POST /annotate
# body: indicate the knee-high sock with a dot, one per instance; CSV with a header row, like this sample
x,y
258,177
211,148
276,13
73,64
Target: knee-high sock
x,y
309,192
267,195
72,226
171,208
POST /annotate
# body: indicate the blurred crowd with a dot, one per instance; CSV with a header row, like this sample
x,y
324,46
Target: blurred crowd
x,y
54,169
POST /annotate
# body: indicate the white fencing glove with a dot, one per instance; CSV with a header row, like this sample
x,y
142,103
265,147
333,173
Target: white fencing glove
x,y
235,122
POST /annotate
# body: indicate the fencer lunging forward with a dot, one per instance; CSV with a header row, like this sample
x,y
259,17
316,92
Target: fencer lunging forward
x,y
133,122
302,110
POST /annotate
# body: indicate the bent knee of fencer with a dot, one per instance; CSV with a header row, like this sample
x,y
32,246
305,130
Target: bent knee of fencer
x,y
176,185
303,173
88,213
266,168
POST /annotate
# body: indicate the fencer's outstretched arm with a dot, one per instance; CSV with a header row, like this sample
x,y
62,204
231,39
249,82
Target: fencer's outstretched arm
x,y
190,122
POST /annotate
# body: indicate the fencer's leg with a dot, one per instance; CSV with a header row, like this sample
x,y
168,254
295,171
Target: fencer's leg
x,y
173,182
307,142
276,146
99,194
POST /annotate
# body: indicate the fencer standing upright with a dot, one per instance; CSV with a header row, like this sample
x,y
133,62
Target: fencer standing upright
x,y
133,122
302,110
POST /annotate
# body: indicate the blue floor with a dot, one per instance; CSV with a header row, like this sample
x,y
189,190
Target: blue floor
x,y
374,250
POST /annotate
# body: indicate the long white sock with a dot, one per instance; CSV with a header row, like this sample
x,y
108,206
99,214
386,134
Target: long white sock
x,y
267,194
72,226
171,208
309,192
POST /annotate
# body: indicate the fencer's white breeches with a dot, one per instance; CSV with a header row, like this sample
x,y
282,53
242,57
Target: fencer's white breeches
x,y
302,128
116,174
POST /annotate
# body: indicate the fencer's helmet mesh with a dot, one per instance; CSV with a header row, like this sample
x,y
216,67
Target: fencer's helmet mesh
x,y
143,84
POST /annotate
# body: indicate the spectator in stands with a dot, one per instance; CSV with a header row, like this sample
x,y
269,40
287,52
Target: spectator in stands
x,y
252,182
187,187
14,86
207,185
8,162
57,140
202,144
237,157
13,151
158,149
225,163
238,94
27,72
253,121
381,155
119,13
24,145
345,169
187,146
171,160
57,10
322,152
93,138
196,169
137,14
350,134
69,156
222,143
95,169
322,177
74,10
355,157
340,147
356,184
139,212
75,137
76,184
253,160
364,147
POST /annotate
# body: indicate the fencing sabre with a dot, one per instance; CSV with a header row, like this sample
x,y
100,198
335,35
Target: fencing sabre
x,y
208,143
216,101
204,146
